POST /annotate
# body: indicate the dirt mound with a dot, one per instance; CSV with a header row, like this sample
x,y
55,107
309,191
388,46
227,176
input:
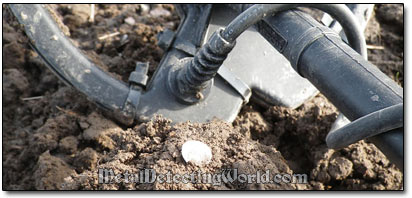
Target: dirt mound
x,y
54,138
157,146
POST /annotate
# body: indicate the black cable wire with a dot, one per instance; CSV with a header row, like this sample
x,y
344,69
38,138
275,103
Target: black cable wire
x,y
367,126
339,12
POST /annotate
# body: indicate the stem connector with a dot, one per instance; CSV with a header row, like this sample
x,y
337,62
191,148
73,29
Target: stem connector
x,y
191,79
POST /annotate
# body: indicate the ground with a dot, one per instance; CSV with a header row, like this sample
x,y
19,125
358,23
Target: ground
x,y
59,140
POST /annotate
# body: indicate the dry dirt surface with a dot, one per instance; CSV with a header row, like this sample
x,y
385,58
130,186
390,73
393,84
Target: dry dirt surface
x,y
60,140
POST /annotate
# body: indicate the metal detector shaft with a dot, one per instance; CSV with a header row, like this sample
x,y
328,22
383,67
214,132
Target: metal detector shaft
x,y
355,86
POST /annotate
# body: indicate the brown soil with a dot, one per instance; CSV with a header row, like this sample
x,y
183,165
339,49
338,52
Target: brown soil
x,y
61,140
386,29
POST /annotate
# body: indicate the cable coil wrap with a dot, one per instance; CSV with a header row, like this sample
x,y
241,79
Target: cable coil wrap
x,y
367,126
